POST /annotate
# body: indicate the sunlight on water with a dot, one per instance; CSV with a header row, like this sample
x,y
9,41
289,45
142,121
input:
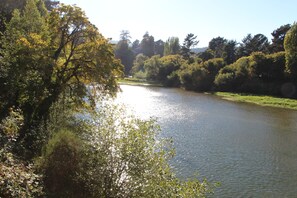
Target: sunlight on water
x,y
250,149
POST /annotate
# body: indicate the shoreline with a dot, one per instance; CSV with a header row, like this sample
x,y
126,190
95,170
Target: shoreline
x,y
261,100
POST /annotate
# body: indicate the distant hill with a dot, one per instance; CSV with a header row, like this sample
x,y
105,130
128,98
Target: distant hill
x,y
198,50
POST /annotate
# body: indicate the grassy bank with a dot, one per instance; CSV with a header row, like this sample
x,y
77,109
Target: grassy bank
x,y
138,82
259,100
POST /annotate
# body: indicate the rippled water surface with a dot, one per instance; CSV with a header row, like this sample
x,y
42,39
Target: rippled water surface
x,y
251,150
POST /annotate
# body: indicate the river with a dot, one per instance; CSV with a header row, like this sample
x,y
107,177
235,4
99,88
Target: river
x,y
251,150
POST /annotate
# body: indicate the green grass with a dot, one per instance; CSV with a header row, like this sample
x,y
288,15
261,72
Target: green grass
x,y
138,82
259,100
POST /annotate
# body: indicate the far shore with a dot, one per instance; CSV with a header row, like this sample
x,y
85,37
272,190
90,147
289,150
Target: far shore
x,y
263,100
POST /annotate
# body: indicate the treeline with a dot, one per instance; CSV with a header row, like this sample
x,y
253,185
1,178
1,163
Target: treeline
x,y
254,65
59,134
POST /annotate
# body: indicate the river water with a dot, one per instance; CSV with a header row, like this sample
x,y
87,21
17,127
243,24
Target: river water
x,y
251,150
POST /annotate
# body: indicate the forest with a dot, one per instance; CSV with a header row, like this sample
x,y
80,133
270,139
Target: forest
x,y
60,134
254,65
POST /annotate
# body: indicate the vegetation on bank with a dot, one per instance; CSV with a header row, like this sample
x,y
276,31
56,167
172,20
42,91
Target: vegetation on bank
x,y
138,82
259,100
60,136
255,65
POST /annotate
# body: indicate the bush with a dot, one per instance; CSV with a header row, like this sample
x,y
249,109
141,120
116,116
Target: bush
x,y
124,159
18,179
61,165
232,77
268,68
200,77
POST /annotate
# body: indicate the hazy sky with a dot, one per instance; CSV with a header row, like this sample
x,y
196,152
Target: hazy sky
x,y
231,19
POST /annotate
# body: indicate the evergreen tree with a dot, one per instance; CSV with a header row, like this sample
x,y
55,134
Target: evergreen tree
x,y
189,42
278,38
147,45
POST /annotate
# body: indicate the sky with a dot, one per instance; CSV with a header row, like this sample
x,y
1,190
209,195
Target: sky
x,y
207,19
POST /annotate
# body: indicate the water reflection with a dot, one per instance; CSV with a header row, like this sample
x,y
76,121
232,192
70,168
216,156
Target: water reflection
x,y
250,149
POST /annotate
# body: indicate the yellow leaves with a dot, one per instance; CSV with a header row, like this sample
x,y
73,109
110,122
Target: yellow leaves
x,y
32,41
23,41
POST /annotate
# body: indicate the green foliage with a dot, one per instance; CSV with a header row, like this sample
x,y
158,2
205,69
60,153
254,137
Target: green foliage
x,y
152,67
258,73
18,179
250,44
138,64
147,45
9,126
268,68
125,54
233,76
126,159
189,42
61,165
229,53
279,35
45,57
168,70
159,48
290,45
200,77
171,46
206,55
217,45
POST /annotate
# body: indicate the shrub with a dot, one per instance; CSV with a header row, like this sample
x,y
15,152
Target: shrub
x,y
18,179
124,159
61,165
232,77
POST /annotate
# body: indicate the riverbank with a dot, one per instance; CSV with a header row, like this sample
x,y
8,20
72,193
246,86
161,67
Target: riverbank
x,y
138,82
259,100
262,100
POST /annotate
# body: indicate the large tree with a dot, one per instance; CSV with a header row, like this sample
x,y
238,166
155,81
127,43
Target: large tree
x,y
44,59
279,34
8,6
290,45
229,53
217,45
124,52
147,45
171,46
159,47
257,43
189,42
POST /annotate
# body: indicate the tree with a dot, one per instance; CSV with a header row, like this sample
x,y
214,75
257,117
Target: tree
x,y
125,36
136,47
8,6
189,42
257,43
152,67
147,45
217,45
229,53
171,46
124,52
138,64
168,71
45,59
278,38
159,47
206,55
290,45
